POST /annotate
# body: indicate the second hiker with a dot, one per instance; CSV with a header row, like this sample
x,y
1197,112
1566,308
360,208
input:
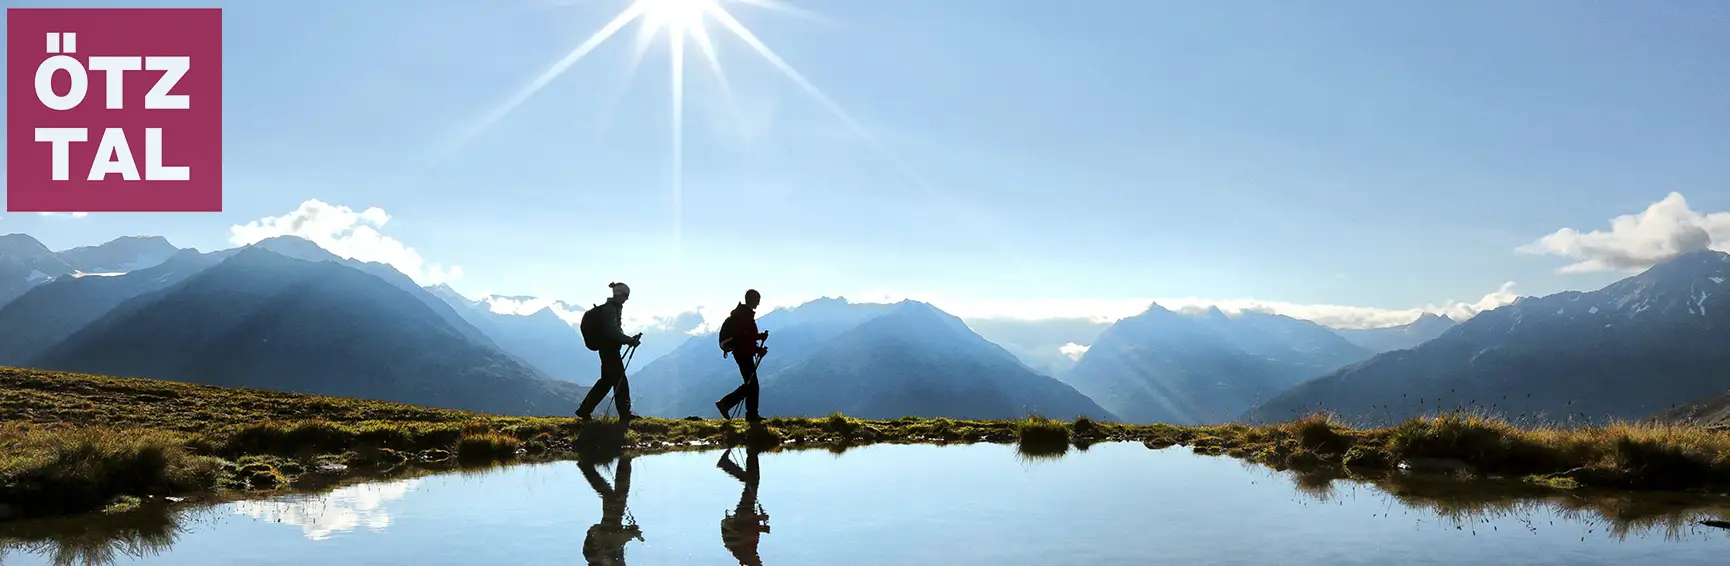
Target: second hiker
x,y
739,336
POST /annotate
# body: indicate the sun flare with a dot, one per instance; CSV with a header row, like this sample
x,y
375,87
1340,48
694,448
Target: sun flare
x,y
676,16
685,19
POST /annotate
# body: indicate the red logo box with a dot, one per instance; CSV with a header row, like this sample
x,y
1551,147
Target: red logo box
x,y
146,134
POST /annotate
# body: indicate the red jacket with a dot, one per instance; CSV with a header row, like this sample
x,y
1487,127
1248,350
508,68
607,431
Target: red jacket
x,y
745,333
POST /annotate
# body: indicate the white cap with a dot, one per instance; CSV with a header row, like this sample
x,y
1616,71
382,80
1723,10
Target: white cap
x,y
620,289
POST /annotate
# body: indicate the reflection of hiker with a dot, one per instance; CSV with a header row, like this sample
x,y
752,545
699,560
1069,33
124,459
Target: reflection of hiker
x,y
603,332
605,542
739,336
740,527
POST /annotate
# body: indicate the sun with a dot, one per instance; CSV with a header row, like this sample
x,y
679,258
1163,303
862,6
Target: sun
x,y
684,20
678,17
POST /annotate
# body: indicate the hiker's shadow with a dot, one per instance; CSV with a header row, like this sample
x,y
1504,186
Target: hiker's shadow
x,y
605,541
741,525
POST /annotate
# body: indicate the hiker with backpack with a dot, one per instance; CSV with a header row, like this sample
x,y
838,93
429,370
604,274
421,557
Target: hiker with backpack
x,y
603,332
739,337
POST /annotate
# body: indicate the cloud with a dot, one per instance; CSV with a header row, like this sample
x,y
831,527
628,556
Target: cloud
x,y
686,322
1073,350
348,234
73,215
1664,230
524,306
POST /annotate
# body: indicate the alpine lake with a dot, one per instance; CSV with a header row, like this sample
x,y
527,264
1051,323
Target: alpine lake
x,y
896,504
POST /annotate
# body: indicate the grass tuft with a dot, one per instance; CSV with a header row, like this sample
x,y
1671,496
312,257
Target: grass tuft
x,y
1039,434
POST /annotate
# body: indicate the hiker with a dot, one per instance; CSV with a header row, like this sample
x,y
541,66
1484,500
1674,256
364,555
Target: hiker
x,y
602,329
739,337
741,526
605,541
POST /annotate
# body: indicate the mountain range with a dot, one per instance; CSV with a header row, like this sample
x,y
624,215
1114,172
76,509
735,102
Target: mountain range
x,y
878,361
286,314
1164,366
1634,348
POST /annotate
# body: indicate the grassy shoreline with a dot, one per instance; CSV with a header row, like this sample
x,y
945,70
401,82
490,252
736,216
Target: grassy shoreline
x,y
72,443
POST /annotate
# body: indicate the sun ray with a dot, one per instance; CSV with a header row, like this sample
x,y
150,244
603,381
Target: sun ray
x,y
703,41
810,89
786,8
677,36
633,12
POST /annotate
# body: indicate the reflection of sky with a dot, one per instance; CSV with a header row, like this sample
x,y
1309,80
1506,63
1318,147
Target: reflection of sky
x,y
342,509
894,505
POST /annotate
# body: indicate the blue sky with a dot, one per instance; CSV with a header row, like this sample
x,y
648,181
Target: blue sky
x,y
1371,154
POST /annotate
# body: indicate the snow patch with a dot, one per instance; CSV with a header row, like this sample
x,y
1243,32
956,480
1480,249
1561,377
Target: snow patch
x,y
1559,311
36,275
1593,310
105,274
1719,280
1701,302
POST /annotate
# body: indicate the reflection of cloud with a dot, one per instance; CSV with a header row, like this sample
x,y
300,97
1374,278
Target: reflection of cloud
x,y
323,514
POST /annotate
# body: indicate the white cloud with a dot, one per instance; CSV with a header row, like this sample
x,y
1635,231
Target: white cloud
x,y
1073,350
524,306
348,234
65,214
1636,242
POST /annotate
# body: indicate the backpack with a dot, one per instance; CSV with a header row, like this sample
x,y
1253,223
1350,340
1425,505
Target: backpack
x,y
725,336
591,329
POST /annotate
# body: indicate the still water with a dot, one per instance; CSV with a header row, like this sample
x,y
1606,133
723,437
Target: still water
x,y
1118,503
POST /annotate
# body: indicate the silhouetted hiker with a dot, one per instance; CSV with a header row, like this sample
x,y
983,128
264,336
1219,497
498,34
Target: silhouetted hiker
x,y
605,541
740,527
602,329
739,337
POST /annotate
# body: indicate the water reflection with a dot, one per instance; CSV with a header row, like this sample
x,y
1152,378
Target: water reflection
x,y
605,541
99,539
1451,503
741,526
1113,503
339,510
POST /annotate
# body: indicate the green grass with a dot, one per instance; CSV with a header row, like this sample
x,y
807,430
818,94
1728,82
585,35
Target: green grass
x,y
76,443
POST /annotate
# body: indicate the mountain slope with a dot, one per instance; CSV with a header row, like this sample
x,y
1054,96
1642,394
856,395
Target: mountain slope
x,y
1403,337
26,263
918,361
1634,348
1712,411
50,312
120,255
677,384
542,339
1040,343
305,250
1161,366
259,319
1305,346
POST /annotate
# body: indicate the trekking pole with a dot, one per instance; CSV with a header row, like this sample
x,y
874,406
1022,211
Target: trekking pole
x,y
630,352
755,362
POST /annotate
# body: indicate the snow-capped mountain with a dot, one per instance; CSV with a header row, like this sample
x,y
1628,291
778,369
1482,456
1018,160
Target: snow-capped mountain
x,y
26,263
1626,351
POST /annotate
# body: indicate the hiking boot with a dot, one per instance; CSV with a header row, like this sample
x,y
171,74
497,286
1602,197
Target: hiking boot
x,y
722,407
582,415
753,419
